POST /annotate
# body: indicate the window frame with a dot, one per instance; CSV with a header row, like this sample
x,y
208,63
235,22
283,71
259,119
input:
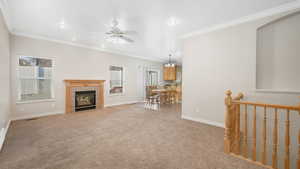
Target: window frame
x,y
151,68
18,94
158,75
123,80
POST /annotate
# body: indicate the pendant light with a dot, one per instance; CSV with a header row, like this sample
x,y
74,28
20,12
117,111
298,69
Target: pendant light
x,y
170,64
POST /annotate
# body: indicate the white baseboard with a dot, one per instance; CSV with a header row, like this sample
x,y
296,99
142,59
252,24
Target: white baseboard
x,y
34,115
3,133
209,122
122,103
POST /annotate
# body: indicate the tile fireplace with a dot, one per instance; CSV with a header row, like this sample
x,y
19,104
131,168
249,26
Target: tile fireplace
x,y
84,95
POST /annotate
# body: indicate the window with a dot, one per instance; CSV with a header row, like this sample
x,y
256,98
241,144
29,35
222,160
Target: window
x,y
116,80
35,79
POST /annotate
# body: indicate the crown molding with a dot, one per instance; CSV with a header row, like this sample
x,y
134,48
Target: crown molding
x,y
269,12
3,8
116,52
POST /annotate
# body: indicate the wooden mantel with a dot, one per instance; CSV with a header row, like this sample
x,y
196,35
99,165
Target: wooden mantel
x,y
71,83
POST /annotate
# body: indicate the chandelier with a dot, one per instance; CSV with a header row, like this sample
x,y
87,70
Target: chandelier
x,y
170,64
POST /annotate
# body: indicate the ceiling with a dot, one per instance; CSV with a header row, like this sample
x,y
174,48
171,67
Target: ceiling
x,y
85,22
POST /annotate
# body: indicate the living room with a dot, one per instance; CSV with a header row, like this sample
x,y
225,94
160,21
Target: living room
x,y
141,84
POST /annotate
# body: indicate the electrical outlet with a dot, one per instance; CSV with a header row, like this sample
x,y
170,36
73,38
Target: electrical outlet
x,y
197,110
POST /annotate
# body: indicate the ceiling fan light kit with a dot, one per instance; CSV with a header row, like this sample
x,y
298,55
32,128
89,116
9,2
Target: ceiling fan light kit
x,y
116,40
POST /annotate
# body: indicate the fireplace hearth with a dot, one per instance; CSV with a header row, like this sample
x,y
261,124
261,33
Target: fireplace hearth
x,y
85,100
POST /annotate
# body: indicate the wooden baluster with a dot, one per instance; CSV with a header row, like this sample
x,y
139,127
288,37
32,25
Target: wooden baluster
x,y
233,127
237,131
245,144
254,135
287,141
275,140
228,129
264,138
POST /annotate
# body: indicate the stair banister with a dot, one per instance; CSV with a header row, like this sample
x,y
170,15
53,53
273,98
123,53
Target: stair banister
x,y
236,137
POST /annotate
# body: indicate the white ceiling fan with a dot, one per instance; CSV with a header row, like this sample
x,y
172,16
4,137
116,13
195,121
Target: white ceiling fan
x,y
116,35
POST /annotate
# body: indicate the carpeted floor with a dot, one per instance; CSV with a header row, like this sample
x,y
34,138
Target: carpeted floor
x,y
124,137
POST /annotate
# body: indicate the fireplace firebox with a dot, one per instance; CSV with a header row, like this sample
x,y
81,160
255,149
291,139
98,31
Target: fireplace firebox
x,y
85,100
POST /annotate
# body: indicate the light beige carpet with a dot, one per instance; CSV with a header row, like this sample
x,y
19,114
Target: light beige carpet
x,y
124,137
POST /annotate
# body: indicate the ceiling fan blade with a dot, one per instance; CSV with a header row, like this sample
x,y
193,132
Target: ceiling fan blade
x,y
127,39
130,32
114,35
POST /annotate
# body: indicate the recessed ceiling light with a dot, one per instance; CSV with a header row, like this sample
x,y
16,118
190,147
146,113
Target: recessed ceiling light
x,y
172,21
62,24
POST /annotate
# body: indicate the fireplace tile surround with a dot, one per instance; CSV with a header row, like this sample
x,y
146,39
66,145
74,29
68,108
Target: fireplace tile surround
x,y
73,86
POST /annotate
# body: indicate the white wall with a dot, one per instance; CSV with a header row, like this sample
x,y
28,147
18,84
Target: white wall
x,y
75,63
217,61
4,75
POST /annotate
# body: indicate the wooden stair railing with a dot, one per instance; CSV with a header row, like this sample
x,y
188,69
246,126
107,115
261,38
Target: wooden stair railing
x,y
233,132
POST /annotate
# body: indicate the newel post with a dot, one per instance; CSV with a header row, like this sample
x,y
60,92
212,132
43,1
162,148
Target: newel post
x,y
228,113
235,124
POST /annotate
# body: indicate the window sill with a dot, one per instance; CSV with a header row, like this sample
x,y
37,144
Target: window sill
x,y
277,91
117,94
35,101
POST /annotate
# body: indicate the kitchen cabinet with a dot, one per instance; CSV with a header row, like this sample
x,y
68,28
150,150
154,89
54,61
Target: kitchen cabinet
x,y
169,73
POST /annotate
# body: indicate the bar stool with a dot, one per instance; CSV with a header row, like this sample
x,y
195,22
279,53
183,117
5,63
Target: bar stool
x,y
152,102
